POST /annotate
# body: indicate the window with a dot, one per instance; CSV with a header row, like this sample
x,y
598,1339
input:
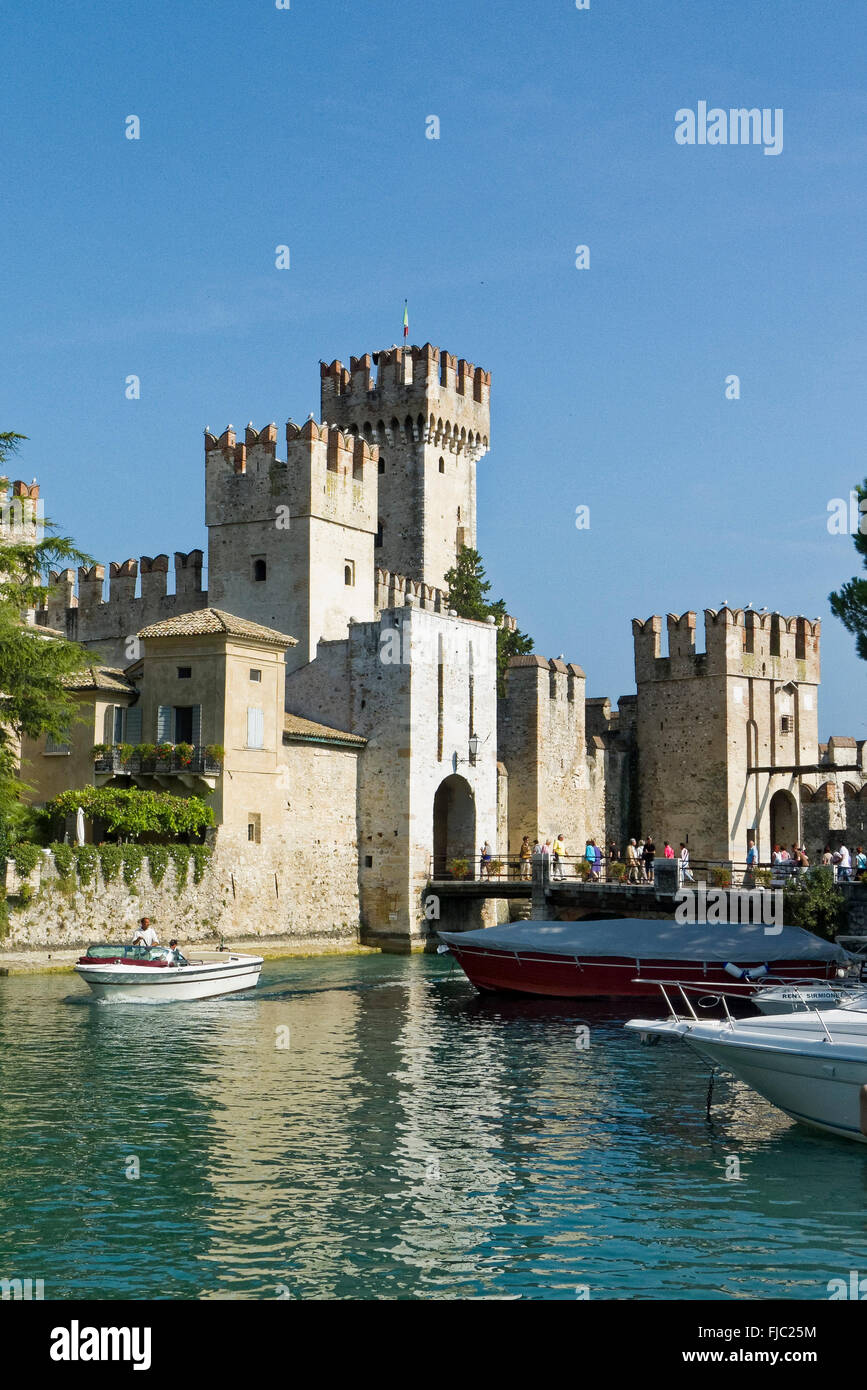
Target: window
x,y
184,673
368,861
382,465
442,465
179,724
786,724
255,728
122,725
58,746
254,674
260,570
254,828
349,573
377,540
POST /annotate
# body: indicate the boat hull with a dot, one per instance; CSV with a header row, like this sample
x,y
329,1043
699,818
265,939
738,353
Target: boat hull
x,y
569,977
822,1092
137,985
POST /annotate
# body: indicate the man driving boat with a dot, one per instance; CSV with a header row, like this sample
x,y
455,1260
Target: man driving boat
x,y
145,934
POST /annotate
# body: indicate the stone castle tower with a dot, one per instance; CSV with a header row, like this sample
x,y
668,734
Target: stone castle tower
x,y
290,542
429,416
723,735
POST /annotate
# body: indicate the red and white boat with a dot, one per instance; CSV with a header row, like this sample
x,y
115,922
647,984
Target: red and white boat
x,y
158,975
624,957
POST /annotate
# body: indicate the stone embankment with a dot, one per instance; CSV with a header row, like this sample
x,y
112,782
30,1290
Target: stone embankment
x,y
255,904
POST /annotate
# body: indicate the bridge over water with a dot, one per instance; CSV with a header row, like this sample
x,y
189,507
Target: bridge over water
x,y
549,897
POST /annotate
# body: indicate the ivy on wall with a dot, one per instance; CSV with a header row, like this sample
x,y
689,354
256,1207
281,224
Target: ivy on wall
x,y
130,811
158,862
81,863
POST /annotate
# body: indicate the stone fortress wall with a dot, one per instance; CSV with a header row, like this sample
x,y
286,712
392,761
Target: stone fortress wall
x,y
348,539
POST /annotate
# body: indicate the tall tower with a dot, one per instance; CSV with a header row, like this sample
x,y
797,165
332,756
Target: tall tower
x,y
429,413
724,734
290,544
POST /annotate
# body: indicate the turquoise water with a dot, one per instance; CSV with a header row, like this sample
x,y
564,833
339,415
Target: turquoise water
x,y
412,1141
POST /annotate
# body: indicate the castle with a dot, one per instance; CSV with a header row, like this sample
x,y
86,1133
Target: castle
x,y
375,729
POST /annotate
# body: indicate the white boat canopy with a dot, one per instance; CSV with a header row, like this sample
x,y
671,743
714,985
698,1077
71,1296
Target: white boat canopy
x,y
640,938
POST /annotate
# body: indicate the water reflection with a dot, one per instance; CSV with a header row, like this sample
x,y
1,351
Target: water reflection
x,y
413,1140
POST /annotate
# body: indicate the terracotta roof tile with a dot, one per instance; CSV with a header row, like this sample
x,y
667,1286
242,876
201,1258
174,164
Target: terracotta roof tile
x,y
205,622
99,678
298,728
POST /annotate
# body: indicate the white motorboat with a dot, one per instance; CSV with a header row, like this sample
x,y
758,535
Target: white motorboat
x,y
812,994
812,1064
159,975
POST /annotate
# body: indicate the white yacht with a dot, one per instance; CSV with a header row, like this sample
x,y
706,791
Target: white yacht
x,y
811,1063
160,975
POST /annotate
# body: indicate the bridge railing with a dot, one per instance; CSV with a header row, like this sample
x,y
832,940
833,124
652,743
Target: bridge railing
x,y
472,866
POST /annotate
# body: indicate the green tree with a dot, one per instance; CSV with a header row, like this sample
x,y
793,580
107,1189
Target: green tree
x,y
850,603
812,901
468,590
34,698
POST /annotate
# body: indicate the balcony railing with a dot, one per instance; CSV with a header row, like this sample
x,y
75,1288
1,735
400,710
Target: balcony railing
x,y
199,762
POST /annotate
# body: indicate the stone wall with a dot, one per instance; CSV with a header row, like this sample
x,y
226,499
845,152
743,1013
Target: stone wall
x,y
238,897
541,741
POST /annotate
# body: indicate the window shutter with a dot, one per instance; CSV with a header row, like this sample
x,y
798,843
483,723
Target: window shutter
x,y
197,725
108,725
133,724
165,719
119,722
255,728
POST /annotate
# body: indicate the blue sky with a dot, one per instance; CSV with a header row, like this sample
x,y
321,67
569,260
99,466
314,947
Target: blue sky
x,y
306,127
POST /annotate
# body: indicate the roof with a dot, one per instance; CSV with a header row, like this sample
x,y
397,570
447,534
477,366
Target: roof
x,y
299,730
206,622
99,678
638,938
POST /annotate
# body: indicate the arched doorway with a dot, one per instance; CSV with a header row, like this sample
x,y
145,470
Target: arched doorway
x,y
784,820
454,825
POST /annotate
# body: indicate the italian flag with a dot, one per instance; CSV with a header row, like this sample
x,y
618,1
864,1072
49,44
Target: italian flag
x,y
405,319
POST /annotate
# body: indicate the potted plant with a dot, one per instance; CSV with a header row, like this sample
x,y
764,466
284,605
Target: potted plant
x,y
459,868
101,750
184,753
145,752
164,752
125,752
215,751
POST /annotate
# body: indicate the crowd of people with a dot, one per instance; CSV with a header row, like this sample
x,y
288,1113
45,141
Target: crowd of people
x,y
638,857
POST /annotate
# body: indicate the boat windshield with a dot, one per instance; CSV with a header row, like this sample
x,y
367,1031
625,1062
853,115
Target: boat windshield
x,y
114,950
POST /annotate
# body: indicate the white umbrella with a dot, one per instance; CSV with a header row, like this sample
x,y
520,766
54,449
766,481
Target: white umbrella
x,y
79,827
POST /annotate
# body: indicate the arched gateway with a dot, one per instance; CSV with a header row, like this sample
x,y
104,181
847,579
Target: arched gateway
x,y
784,820
454,824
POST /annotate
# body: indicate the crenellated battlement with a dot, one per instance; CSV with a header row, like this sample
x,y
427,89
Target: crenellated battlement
x,y
738,642
418,395
532,677
328,473
80,610
425,368
20,511
395,590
